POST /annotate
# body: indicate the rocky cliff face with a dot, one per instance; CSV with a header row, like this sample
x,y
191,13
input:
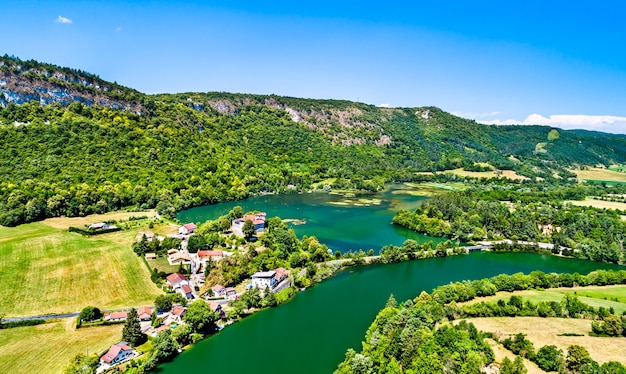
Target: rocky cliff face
x,y
25,81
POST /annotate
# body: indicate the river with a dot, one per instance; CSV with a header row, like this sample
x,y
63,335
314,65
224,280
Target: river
x,y
341,223
311,333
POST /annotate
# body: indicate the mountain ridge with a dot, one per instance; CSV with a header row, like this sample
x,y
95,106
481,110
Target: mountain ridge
x,y
116,148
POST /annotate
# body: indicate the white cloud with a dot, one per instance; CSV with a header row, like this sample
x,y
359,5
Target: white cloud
x,y
118,29
62,19
383,105
612,124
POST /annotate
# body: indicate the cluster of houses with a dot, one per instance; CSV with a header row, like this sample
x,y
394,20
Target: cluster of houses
x,y
178,282
122,351
274,280
258,219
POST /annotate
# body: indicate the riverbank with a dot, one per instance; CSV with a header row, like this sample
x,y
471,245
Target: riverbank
x,y
325,320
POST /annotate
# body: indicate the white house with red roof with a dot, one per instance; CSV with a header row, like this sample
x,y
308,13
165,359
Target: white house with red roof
x,y
115,316
117,353
145,313
177,280
187,229
271,278
186,291
177,313
219,290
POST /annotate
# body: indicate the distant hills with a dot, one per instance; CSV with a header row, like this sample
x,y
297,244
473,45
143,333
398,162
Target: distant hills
x,y
73,144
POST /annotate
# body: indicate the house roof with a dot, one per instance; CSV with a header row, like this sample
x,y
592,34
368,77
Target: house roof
x,y
281,273
118,315
186,288
264,274
217,253
180,256
218,288
257,219
176,278
190,226
113,352
178,310
144,310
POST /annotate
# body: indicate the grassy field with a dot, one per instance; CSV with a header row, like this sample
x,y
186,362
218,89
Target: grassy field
x,y
545,331
48,348
45,269
487,174
598,174
162,265
65,222
598,204
592,296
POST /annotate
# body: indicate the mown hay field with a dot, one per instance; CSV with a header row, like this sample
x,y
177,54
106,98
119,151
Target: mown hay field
x,y
546,331
45,269
48,348
599,174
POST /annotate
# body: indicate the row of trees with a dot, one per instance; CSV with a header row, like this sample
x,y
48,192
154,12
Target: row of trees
x,y
550,358
512,211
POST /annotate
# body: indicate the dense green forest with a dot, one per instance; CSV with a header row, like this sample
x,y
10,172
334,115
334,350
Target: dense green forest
x,y
174,151
417,336
529,211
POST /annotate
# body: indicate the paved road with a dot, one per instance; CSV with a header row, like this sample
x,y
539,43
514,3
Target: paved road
x,y
62,315
46,317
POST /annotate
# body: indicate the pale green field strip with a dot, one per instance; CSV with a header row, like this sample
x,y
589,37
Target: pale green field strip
x,y
46,270
592,296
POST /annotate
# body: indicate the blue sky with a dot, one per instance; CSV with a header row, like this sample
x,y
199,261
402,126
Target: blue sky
x,y
495,61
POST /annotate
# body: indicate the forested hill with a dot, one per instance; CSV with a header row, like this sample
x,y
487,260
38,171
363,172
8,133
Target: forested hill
x,y
86,154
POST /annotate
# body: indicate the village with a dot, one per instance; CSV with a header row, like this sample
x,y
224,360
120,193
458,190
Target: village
x,y
186,288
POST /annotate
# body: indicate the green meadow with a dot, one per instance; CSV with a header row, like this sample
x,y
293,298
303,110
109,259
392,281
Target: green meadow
x,y
45,269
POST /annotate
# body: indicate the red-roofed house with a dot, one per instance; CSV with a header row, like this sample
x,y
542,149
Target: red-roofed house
x,y
186,291
115,316
117,353
176,280
144,313
258,219
214,255
280,275
219,290
178,312
187,229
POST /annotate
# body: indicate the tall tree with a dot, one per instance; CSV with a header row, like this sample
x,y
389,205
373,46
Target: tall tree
x,y
577,356
131,332
165,349
248,229
200,317
163,303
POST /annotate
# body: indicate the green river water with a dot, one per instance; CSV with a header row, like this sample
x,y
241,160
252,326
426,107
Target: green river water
x,y
341,227
311,333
